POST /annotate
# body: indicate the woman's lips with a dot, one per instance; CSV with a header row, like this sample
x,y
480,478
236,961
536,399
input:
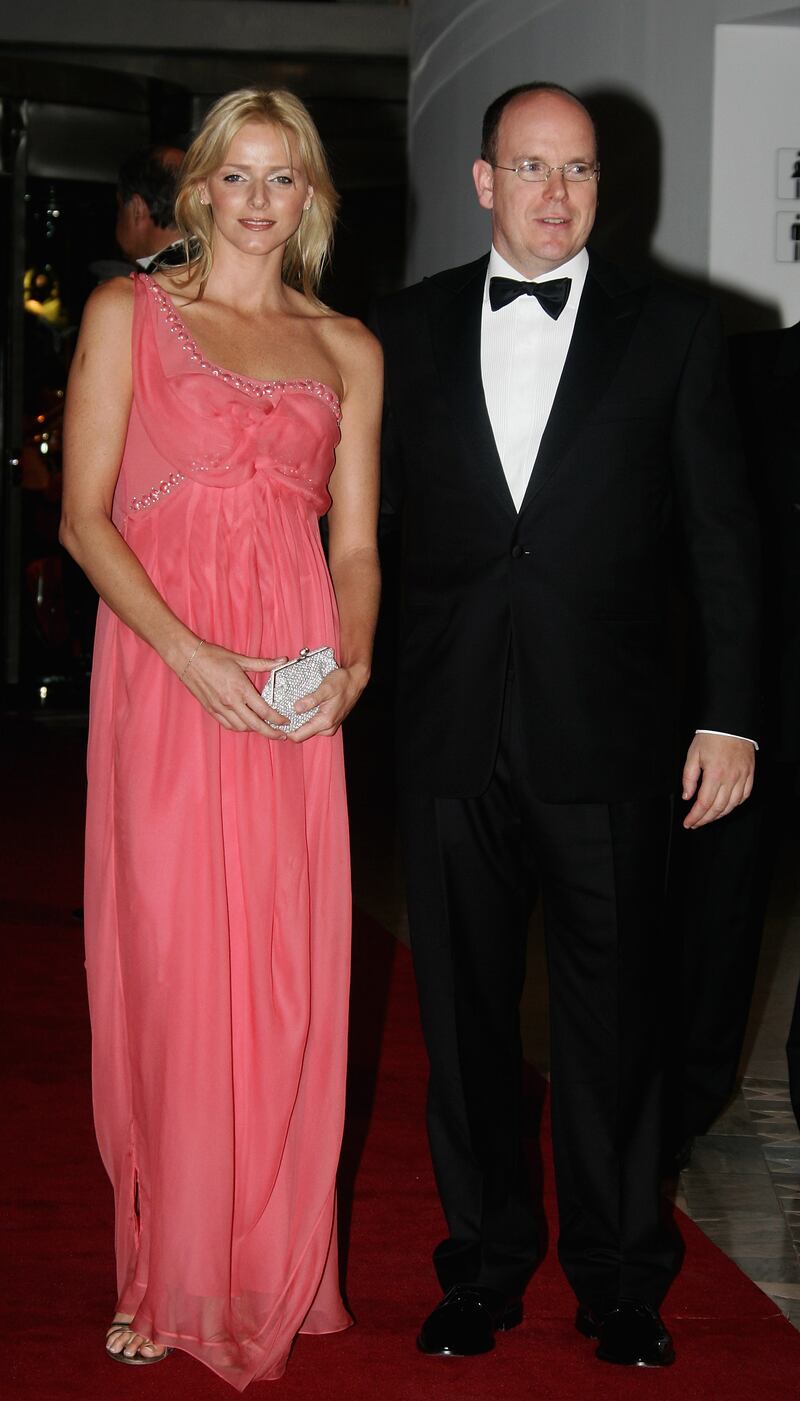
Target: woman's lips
x,y
257,224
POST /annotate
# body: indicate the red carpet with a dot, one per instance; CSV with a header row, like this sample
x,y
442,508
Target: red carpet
x,y
732,1343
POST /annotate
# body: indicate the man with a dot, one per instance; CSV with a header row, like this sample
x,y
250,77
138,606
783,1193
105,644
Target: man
x,y
146,230
539,455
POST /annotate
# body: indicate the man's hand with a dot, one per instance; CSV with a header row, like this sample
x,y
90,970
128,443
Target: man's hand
x,y
727,766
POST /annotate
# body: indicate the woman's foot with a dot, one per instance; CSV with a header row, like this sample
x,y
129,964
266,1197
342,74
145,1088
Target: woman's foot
x,y
124,1344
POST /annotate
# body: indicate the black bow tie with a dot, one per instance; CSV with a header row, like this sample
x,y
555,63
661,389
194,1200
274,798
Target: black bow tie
x,y
551,296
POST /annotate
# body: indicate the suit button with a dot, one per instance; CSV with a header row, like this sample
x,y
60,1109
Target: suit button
x,y
517,552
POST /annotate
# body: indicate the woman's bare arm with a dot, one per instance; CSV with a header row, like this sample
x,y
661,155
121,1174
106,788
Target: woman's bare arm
x,y
352,529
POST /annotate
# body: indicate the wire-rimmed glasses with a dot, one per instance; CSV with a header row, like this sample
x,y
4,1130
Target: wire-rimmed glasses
x,y
572,171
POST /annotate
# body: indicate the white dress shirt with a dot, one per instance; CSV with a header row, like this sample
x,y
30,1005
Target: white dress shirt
x,y
523,353
150,258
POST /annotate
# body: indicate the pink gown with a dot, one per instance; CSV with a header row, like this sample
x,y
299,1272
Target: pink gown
x,y
217,900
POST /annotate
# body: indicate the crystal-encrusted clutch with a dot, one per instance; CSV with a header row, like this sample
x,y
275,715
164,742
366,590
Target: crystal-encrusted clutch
x,y
295,679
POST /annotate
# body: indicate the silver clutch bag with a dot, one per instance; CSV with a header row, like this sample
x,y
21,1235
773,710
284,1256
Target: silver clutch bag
x,y
295,679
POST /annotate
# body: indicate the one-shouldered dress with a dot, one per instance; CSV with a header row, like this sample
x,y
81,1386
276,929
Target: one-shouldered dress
x,y
217,901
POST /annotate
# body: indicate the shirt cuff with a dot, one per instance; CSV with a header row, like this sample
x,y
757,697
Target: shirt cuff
x,y
725,735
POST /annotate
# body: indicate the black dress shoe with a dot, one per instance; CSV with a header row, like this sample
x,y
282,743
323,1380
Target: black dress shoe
x,y
465,1322
631,1333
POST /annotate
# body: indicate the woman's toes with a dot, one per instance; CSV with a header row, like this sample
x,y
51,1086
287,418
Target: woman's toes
x,y
140,1346
126,1342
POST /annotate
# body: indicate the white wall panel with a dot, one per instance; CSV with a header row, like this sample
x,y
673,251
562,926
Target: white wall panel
x,y
756,139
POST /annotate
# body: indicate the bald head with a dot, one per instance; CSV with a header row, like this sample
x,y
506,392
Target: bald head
x,y
170,157
495,110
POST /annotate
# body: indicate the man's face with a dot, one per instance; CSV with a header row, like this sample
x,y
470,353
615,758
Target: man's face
x,y
123,229
538,226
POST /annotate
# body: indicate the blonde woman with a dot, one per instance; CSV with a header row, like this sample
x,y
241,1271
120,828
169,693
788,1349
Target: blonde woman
x,y
216,411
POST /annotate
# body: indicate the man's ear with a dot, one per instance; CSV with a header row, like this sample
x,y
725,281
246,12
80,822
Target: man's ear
x,y
483,176
139,209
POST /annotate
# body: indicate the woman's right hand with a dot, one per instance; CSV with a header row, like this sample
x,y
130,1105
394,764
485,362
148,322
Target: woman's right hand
x,y
217,679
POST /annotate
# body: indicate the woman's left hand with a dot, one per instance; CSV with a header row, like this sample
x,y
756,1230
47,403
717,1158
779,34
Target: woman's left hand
x,y
335,697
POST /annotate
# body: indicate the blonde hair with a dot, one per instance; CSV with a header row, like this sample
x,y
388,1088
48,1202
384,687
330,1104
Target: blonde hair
x,y
308,250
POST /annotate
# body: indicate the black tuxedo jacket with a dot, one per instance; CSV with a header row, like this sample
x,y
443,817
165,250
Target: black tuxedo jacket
x,y
574,587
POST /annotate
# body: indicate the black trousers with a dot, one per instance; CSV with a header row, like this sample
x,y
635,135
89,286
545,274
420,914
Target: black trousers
x,y
473,868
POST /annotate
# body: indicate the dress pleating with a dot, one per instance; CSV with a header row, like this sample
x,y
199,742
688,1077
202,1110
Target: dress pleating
x,y
217,903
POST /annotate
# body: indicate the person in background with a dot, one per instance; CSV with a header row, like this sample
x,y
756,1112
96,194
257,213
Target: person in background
x,y
550,419
146,230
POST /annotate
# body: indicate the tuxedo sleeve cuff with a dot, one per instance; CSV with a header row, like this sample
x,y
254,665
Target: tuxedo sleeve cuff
x,y
725,735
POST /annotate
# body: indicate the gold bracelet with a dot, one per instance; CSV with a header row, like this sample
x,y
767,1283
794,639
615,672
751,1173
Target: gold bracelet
x,y
191,659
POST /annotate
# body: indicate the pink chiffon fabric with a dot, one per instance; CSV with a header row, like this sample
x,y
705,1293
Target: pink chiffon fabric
x,y
217,900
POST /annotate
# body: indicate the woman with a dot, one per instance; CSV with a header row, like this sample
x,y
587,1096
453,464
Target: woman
x,y
205,407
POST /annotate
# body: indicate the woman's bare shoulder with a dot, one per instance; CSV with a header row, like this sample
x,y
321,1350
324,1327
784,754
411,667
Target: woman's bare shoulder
x,y
109,307
116,293
351,342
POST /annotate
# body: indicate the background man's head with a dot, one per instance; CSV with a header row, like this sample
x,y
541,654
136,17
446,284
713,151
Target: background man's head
x,y
537,225
146,201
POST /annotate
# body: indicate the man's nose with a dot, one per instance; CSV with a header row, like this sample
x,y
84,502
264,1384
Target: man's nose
x,y
556,185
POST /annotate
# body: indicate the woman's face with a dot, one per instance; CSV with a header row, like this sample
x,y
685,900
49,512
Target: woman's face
x,y
258,195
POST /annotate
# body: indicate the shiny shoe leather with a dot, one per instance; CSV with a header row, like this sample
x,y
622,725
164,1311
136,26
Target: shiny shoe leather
x,y
631,1334
466,1320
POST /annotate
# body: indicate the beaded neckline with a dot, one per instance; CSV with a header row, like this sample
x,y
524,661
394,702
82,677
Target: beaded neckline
x,y
256,388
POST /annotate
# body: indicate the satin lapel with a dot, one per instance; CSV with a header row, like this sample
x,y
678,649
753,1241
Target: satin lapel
x,y
605,321
456,333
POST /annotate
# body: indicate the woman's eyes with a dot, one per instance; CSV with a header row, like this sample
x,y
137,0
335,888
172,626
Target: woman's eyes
x,y
236,176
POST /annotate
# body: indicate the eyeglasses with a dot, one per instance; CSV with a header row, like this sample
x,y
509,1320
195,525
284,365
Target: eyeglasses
x,y
539,171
